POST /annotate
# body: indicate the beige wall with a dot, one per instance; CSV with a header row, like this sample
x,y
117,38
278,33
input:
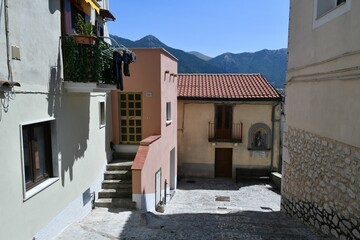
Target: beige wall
x,y
322,145
197,155
323,86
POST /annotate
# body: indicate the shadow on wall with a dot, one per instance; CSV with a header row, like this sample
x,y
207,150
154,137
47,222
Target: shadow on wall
x,y
108,129
72,112
54,6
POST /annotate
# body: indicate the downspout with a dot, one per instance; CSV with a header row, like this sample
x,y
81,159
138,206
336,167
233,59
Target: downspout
x,y
273,134
183,118
10,77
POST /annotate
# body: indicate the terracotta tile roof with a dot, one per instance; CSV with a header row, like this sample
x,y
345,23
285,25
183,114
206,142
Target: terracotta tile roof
x,y
225,86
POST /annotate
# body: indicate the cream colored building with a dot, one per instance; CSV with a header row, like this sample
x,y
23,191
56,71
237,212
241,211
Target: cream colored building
x,y
321,157
225,122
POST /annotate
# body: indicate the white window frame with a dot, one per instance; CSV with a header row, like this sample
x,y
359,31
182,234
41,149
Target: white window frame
x,y
102,114
27,194
331,14
168,113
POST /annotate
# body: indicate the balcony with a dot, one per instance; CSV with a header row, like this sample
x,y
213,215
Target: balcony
x,y
85,64
231,134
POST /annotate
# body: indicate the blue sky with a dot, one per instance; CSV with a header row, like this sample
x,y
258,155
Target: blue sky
x,y
211,27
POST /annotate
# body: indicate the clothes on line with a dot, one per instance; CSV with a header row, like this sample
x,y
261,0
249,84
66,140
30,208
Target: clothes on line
x,y
122,57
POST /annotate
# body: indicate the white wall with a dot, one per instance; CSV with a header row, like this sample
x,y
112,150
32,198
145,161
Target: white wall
x,y
81,146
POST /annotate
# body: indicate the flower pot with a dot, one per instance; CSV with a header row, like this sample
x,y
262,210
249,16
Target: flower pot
x,y
85,39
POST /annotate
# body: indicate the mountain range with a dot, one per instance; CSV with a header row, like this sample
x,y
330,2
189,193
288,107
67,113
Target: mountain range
x,y
270,63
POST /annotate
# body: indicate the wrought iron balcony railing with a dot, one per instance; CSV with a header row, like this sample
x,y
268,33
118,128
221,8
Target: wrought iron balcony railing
x,y
233,133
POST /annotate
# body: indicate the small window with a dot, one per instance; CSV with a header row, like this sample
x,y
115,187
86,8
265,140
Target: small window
x,y
325,6
102,114
168,113
327,10
259,137
37,153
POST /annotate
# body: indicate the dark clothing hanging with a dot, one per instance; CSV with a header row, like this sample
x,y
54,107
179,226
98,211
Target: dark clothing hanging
x,y
119,57
126,64
128,57
117,62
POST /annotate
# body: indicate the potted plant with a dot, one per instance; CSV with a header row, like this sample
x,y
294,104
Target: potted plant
x,y
84,30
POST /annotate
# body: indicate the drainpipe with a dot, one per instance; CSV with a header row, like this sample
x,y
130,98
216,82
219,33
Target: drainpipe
x,y
10,77
183,118
165,193
273,134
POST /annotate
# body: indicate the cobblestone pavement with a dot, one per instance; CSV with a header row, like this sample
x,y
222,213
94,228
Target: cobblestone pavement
x,y
200,209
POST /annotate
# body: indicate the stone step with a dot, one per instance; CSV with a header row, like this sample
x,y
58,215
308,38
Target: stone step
x,y
115,203
117,175
116,184
123,165
123,156
115,193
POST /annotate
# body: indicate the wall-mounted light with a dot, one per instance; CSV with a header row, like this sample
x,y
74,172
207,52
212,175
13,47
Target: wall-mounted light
x,y
8,85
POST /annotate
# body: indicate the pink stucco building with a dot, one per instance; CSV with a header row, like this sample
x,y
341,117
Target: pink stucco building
x,y
144,122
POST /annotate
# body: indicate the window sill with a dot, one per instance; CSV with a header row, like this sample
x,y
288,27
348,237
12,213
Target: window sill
x,y
259,149
168,122
32,192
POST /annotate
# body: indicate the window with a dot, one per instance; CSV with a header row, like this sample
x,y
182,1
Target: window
x,y
69,16
168,113
259,137
326,10
37,153
325,6
102,114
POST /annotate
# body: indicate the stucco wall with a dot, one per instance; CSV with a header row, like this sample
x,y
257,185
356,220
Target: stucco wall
x,y
196,155
145,76
322,61
306,43
321,170
81,155
80,146
155,75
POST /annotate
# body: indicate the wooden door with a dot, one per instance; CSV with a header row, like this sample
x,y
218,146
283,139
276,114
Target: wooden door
x,y
223,122
223,162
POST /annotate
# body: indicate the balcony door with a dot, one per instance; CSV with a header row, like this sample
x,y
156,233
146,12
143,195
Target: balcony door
x,y
223,123
130,120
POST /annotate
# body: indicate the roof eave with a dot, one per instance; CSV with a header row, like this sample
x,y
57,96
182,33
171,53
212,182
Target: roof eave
x,y
269,99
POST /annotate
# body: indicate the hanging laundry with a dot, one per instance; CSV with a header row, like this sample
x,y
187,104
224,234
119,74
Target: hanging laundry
x,y
128,57
117,63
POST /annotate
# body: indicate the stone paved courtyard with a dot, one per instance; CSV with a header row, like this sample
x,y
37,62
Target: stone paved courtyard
x,y
200,209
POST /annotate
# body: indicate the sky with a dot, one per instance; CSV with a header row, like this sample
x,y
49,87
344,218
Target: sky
x,y
211,27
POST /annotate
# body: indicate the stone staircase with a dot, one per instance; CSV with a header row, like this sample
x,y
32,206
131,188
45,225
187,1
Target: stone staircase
x,y
117,185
